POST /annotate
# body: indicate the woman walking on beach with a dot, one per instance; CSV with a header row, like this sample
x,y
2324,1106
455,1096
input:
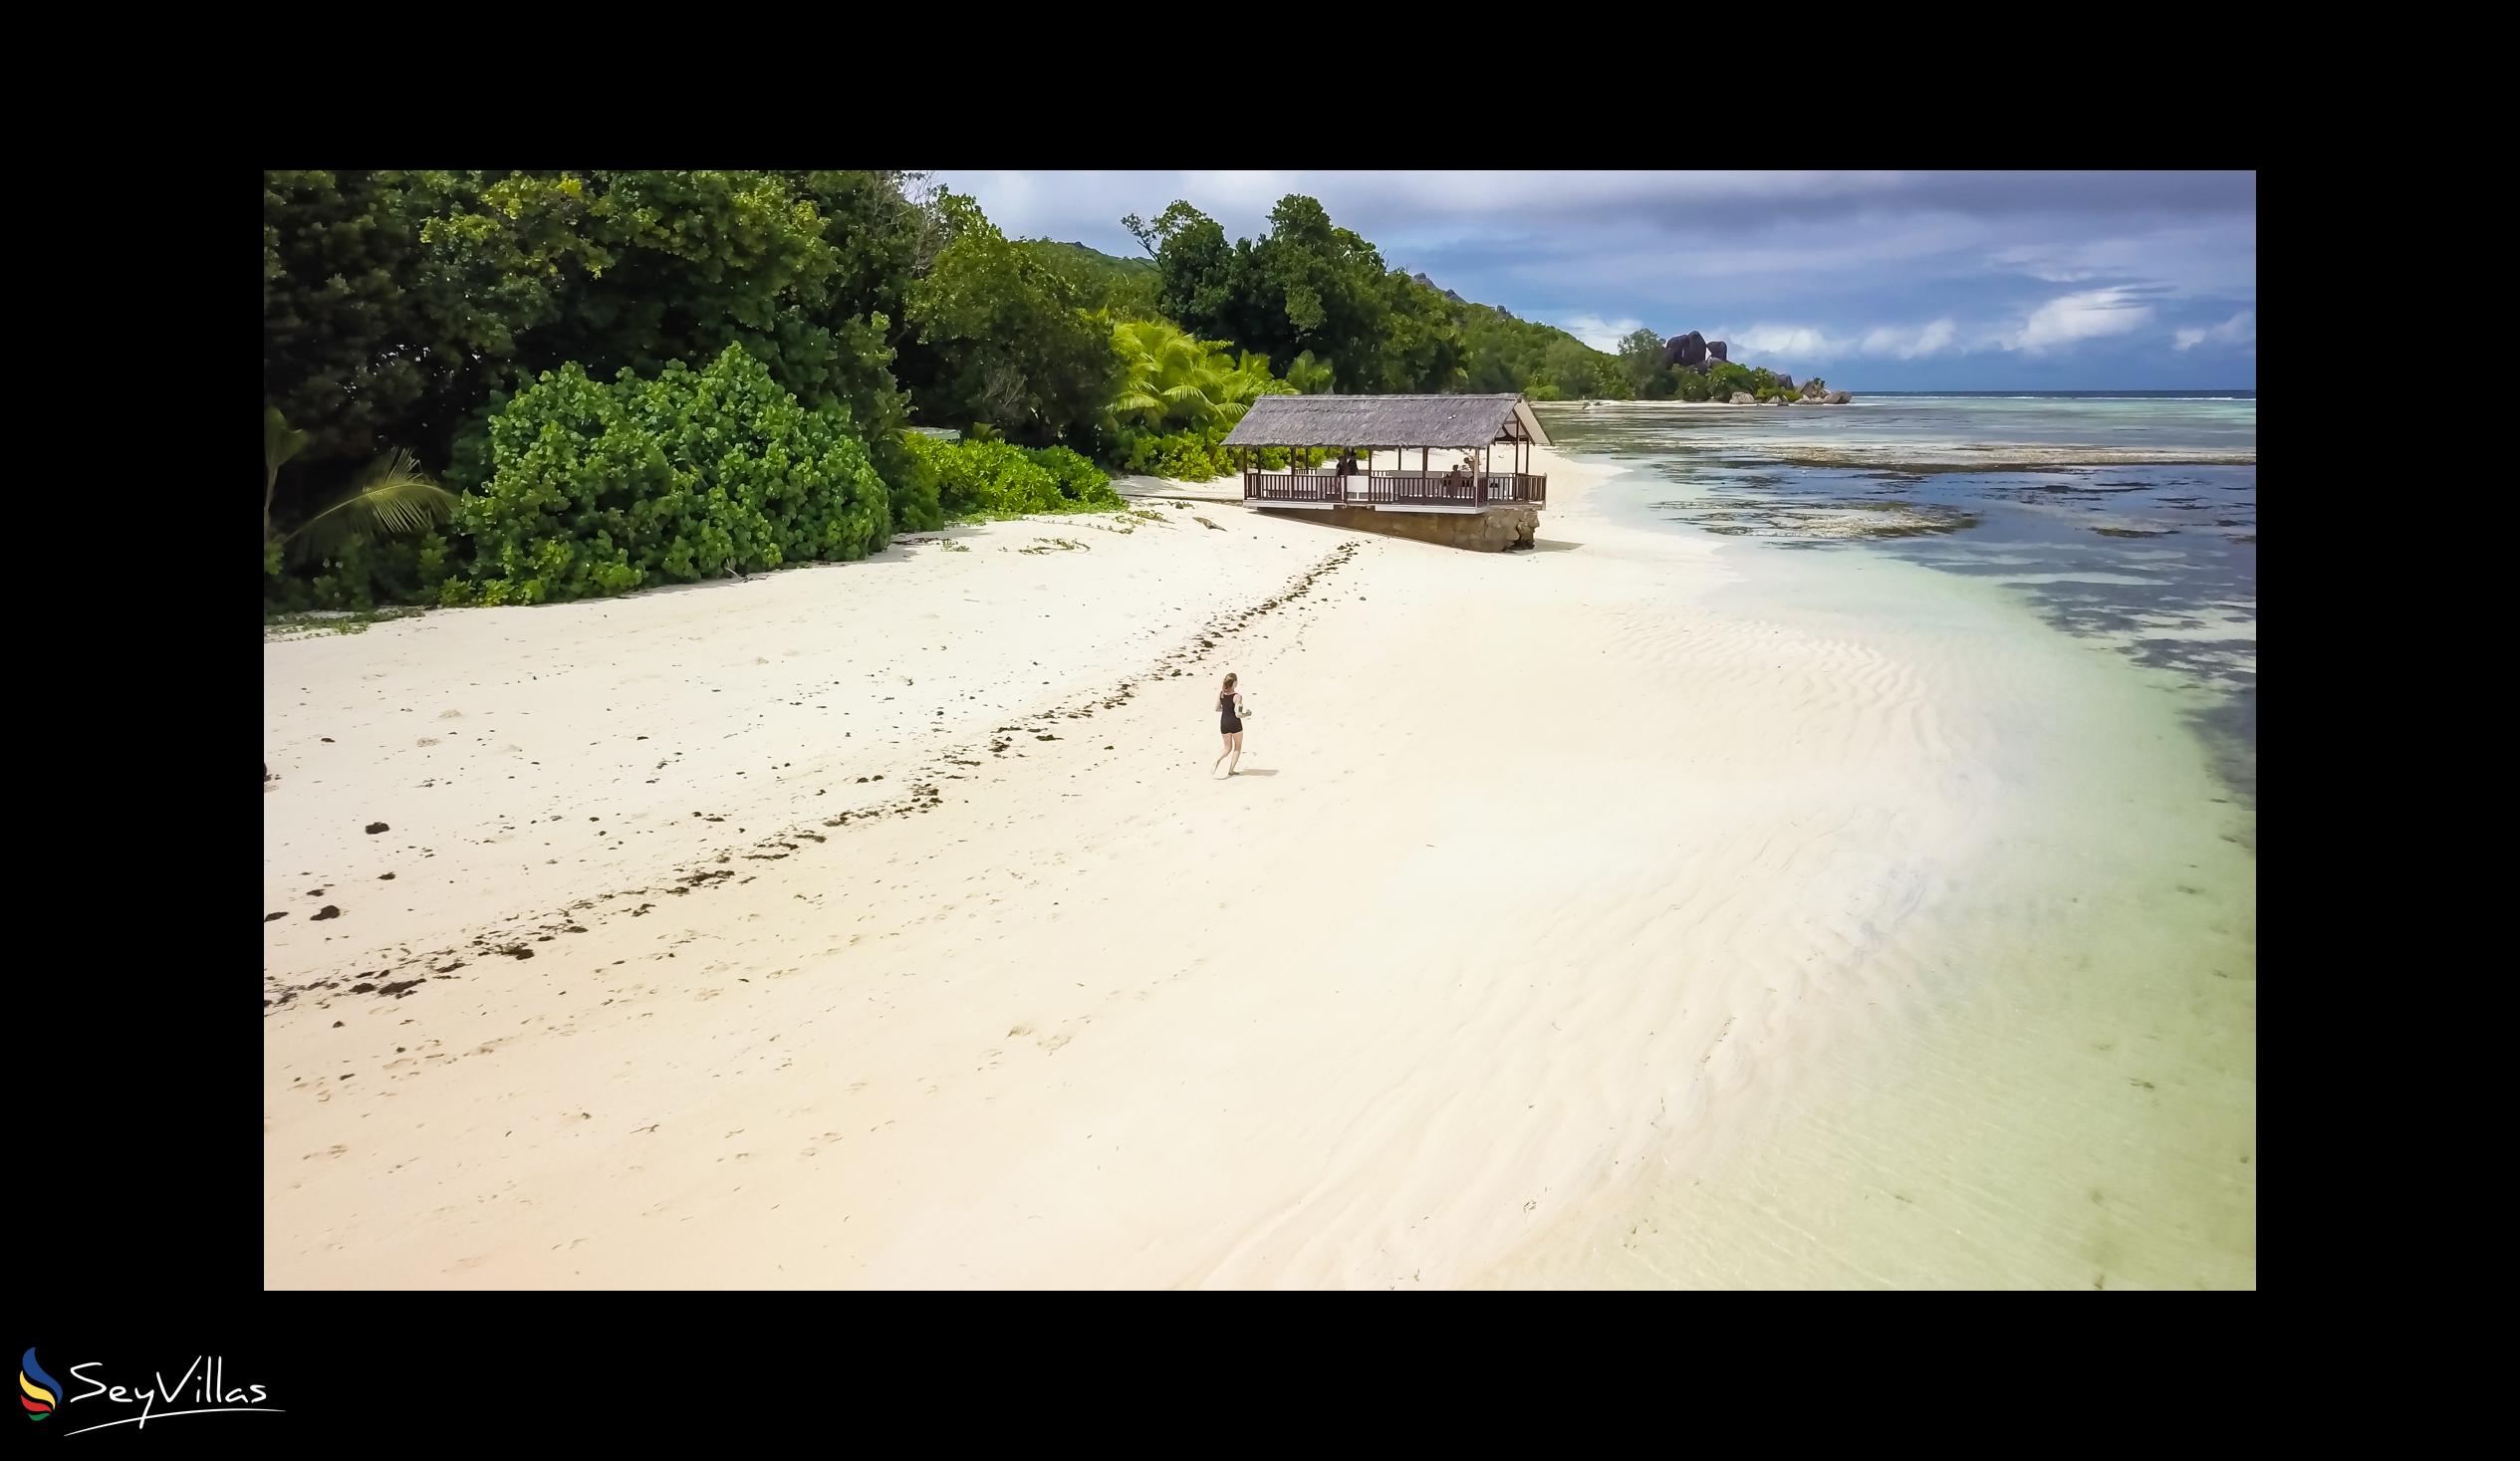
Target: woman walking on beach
x,y
1229,721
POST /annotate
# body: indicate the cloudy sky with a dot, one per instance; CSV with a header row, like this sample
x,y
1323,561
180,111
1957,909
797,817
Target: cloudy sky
x,y
1884,281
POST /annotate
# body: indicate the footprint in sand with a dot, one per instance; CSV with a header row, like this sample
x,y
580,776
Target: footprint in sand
x,y
1056,1041
450,716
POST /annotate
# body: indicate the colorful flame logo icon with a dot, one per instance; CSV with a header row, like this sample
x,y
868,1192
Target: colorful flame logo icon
x,y
42,1390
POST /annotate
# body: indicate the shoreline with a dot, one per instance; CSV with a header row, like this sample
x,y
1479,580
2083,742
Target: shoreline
x,y
1504,954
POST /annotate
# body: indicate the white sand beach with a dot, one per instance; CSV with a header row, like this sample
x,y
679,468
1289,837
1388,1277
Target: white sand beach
x,y
1641,910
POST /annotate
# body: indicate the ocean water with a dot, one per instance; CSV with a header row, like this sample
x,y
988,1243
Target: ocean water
x,y
2041,1071
2128,519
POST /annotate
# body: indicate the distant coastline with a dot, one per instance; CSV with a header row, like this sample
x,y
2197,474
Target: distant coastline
x,y
2072,394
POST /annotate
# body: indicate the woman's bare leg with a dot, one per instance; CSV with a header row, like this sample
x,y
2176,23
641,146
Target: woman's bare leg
x,y
1236,741
1221,757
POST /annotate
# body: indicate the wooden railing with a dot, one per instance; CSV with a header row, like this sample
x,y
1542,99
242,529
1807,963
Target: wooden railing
x,y
1395,489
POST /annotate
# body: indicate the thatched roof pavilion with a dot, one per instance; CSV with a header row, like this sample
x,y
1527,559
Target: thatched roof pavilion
x,y
1370,424
1378,421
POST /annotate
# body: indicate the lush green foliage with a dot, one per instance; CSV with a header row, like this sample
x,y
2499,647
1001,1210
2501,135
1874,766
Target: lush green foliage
x,y
1307,286
600,488
391,499
1017,353
1179,398
1641,363
281,441
993,479
402,308
1198,457
396,304
1125,289
1309,376
1540,361
1184,457
636,377
1172,381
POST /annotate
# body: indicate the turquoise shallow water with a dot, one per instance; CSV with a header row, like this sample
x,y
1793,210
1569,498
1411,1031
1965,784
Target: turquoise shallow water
x,y
2129,521
2045,1074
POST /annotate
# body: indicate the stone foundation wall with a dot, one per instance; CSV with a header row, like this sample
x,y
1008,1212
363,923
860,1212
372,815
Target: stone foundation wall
x,y
1491,530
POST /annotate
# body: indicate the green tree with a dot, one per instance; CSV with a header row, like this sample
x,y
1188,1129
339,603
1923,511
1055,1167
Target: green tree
x,y
1307,287
1010,347
1573,370
371,336
398,305
1203,281
1123,289
1641,362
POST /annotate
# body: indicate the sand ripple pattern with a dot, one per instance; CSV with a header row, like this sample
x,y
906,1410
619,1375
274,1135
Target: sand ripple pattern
x,y
1613,914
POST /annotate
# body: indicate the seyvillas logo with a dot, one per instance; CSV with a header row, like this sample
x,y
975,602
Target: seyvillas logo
x,y
42,1390
205,1383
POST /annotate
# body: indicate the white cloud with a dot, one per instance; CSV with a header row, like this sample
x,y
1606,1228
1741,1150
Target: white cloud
x,y
1886,339
2240,330
1793,341
1806,346
2069,319
1602,334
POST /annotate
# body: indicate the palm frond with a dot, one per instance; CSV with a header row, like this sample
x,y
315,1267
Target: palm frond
x,y
391,499
1192,401
1137,401
279,442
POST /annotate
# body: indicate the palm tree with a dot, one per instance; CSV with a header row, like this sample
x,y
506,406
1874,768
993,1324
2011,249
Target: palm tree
x,y
1249,381
1175,380
1166,374
1308,375
391,499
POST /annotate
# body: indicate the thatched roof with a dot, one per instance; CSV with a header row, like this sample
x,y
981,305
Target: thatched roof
x,y
1386,420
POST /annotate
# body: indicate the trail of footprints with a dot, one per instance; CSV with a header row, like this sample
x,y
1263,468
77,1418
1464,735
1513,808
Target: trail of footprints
x,y
924,796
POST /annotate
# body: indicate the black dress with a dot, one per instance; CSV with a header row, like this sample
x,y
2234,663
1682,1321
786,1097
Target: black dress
x,y
1230,722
